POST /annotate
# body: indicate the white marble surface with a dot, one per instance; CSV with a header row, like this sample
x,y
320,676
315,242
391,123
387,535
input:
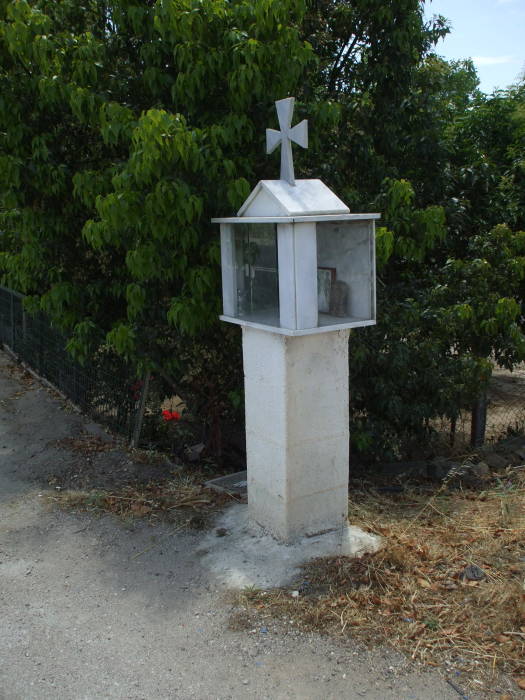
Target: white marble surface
x,y
279,198
297,438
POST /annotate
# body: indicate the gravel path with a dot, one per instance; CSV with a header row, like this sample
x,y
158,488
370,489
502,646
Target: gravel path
x,y
92,608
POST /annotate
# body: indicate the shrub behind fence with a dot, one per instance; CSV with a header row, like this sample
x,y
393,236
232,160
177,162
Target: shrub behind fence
x,y
106,389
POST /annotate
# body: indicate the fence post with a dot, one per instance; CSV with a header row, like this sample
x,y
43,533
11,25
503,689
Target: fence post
x,y
24,327
479,421
140,411
12,298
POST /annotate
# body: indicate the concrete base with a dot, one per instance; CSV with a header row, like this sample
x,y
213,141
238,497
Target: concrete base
x,y
234,484
246,555
297,438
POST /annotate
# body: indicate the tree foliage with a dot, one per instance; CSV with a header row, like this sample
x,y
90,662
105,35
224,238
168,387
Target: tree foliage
x,y
125,125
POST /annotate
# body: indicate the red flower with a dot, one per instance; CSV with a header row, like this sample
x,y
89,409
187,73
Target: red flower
x,y
170,415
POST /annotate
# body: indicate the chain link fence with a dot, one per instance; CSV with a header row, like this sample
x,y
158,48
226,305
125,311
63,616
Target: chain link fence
x,y
500,415
506,402
105,388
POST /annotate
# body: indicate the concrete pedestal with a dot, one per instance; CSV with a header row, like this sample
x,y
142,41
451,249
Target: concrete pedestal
x,y
297,438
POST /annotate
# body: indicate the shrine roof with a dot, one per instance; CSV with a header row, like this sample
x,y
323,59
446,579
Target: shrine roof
x,y
272,198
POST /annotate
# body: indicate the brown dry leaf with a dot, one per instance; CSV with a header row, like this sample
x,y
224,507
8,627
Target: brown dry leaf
x,y
140,509
501,638
423,583
520,682
505,697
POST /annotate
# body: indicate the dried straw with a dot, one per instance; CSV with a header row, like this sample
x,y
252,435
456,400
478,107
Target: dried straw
x,y
418,594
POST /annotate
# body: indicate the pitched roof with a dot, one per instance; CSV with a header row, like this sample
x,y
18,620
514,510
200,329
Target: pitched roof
x,y
279,198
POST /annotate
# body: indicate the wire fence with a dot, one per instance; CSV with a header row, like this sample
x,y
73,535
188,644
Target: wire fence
x,y
501,415
105,388
506,402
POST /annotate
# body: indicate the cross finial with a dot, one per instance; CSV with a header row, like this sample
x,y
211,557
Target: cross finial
x,y
298,134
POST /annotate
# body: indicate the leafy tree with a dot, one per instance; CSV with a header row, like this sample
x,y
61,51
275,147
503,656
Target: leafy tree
x,y
475,308
125,127
370,54
487,166
441,328
396,366
432,352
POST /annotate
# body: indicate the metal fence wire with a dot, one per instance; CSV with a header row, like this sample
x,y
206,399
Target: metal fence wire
x,y
104,388
108,390
506,404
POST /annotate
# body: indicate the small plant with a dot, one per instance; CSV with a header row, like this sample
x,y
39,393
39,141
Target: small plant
x,y
431,623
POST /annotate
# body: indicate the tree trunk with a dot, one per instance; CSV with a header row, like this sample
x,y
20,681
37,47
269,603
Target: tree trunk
x,y
453,426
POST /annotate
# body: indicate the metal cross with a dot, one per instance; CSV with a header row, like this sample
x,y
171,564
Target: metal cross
x,y
298,134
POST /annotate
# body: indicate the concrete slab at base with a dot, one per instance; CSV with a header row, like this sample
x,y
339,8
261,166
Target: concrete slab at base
x,y
236,483
249,556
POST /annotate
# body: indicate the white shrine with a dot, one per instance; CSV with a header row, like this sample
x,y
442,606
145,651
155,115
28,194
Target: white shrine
x,y
298,271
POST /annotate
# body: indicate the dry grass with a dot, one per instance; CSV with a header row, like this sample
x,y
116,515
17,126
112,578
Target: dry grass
x,y
416,594
20,374
85,444
182,498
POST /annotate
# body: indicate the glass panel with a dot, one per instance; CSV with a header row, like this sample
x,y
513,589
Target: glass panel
x,y
257,273
344,273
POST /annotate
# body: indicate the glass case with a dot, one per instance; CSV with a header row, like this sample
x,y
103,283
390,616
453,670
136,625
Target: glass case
x,y
299,276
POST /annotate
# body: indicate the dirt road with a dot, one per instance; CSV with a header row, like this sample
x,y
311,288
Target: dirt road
x,y
94,608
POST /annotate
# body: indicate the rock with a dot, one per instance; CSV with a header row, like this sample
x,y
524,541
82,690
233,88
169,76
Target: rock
x,y
472,572
514,459
495,461
417,468
357,542
440,467
193,453
520,452
480,469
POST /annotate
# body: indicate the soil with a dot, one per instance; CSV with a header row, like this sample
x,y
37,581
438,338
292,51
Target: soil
x,y
97,607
